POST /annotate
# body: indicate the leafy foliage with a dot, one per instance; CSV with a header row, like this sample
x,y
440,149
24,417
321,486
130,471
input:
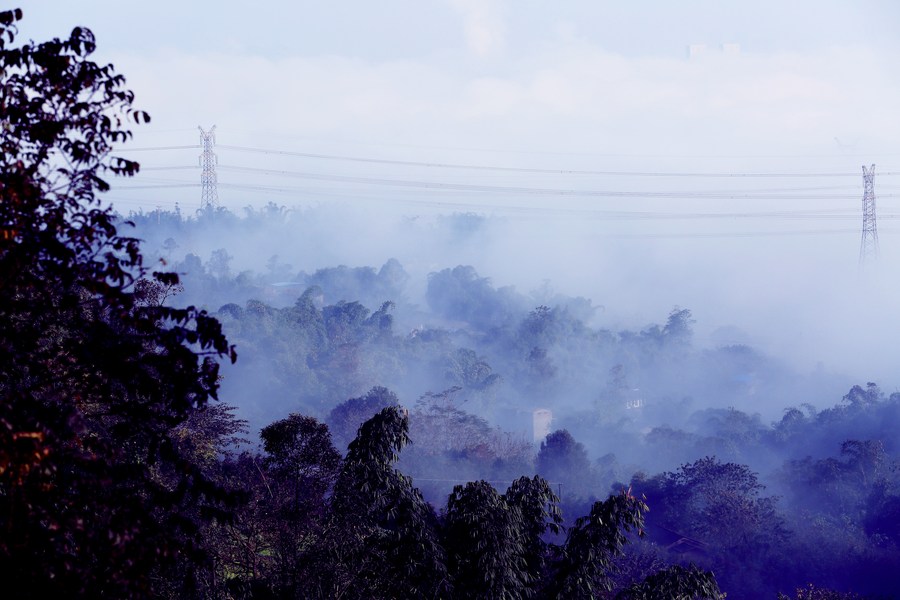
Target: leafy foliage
x,y
537,510
302,466
93,381
675,583
345,418
383,539
118,476
563,460
584,568
486,554
811,592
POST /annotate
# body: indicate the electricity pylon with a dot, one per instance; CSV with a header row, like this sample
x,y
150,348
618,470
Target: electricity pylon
x,y
868,245
209,196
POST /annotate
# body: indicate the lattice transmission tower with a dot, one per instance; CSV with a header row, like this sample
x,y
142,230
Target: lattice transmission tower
x,y
209,196
868,245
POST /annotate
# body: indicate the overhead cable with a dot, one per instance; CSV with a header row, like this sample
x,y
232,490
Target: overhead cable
x,y
441,165
518,190
152,148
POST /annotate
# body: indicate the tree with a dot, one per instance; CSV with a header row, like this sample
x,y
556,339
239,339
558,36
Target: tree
x,y
678,328
344,321
858,397
219,264
299,448
244,547
345,418
811,592
865,458
302,464
310,320
883,512
719,510
538,514
92,382
470,371
719,503
204,440
563,460
382,535
584,567
675,583
460,294
486,550
378,538
540,365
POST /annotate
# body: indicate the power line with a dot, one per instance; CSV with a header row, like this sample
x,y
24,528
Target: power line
x,y
759,193
154,148
305,138
801,215
160,203
441,165
816,214
729,235
172,168
518,190
156,186
696,193
304,174
868,244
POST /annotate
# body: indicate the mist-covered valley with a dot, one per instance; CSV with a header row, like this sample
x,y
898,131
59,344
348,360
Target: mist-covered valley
x,y
486,370
470,299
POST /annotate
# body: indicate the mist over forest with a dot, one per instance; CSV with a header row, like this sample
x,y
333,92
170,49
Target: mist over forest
x,y
650,407
492,300
275,255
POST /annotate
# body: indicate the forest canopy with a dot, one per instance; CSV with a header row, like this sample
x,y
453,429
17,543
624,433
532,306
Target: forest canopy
x,y
371,442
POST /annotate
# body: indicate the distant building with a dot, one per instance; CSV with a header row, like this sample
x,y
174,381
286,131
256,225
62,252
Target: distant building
x,y
541,419
634,399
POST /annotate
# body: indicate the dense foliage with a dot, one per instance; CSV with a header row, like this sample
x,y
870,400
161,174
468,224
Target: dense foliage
x,y
93,382
121,476
374,536
808,497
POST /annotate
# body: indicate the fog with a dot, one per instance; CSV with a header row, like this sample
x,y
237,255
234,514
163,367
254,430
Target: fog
x,y
670,365
361,118
801,298
644,219
607,284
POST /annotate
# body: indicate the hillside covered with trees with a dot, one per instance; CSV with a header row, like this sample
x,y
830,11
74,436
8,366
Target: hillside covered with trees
x,y
171,428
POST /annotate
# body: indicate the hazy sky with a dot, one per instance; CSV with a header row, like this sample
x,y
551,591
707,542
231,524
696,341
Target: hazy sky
x,y
795,87
589,77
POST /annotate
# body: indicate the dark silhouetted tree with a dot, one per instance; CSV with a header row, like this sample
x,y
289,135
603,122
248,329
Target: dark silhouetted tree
x,y
486,550
382,538
92,381
563,460
538,516
585,565
302,465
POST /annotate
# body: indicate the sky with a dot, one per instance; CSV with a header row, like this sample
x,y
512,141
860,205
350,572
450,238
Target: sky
x,y
611,141
588,77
